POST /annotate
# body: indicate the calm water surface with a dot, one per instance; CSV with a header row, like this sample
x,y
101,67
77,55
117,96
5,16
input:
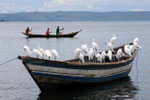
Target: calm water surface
x,y
16,83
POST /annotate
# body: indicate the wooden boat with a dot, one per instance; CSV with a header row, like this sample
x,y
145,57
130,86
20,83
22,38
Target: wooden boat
x,y
69,35
49,73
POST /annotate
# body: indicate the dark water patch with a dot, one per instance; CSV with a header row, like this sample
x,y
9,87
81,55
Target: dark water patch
x,y
117,90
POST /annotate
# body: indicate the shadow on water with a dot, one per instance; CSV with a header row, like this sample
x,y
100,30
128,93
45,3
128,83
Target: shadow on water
x,y
116,90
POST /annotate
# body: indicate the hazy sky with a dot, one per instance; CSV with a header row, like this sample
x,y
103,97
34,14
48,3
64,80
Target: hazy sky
x,y
11,6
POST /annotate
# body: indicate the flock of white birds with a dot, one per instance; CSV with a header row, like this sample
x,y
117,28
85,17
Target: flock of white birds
x,y
91,53
39,52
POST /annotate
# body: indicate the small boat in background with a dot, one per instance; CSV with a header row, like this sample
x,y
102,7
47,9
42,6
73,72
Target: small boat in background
x,y
69,35
49,73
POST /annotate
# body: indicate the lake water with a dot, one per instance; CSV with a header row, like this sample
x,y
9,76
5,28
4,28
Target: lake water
x,y
17,84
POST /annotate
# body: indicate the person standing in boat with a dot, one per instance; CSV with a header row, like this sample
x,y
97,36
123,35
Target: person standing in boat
x,y
28,30
58,30
47,32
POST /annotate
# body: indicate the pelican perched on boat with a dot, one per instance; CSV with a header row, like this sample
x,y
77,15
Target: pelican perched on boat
x,y
132,48
48,54
136,43
136,40
27,50
54,54
99,57
91,54
119,54
110,46
41,50
37,53
84,48
81,57
113,39
109,54
103,56
77,53
94,45
127,50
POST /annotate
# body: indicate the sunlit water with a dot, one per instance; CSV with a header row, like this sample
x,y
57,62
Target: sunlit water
x,y
17,84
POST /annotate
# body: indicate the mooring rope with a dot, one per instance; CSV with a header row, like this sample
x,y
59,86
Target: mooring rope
x,y
8,61
137,67
137,61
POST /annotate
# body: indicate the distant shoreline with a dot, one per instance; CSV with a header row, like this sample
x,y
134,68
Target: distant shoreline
x,y
76,21
75,16
2,20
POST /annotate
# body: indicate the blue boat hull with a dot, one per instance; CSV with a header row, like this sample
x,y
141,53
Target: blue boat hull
x,y
82,79
55,81
47,76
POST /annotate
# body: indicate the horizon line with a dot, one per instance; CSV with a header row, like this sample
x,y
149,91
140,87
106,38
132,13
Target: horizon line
x,y
71,11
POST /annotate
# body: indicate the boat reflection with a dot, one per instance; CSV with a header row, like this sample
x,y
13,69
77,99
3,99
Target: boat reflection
x,y
120,90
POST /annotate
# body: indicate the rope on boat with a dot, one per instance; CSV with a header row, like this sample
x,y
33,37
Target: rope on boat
x,y
137,67
136,61
8,61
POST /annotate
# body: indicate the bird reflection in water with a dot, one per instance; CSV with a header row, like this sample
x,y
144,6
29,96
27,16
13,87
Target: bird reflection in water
x,y
119,89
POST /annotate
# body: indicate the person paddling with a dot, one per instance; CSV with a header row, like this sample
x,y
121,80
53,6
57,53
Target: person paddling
x,y
28,30
58,30
47,32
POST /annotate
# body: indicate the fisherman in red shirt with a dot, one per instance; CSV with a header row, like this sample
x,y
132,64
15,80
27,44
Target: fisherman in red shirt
x,y
28,30
47,32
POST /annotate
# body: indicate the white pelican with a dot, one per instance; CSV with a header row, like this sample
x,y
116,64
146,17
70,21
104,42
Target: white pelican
x,y
91,54
113,39
37,52
94,45
81,57
127,51
41,50
137,45
27,50
85,49
119,54
109,54
110,46
103,55
132,48
54,54
136,40
48,54
99,57
77,53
